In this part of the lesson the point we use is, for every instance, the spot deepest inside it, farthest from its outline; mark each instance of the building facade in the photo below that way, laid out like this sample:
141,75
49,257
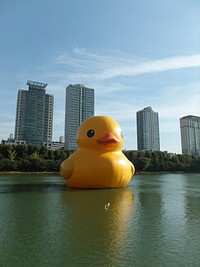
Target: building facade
190,135
34,115
148,137
79,107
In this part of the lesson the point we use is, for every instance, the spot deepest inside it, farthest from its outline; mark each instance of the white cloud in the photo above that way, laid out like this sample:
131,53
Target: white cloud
165,64
100,67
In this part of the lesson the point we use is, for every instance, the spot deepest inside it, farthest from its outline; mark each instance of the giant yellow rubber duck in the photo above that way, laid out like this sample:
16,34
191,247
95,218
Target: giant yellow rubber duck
98,161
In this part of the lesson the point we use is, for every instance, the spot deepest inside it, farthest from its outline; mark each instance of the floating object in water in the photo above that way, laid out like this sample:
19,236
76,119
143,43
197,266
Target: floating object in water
98,161
107,206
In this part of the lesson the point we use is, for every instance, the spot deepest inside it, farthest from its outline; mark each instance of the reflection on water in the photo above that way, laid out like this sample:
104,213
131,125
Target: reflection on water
155,221
105,229
162,209
64,228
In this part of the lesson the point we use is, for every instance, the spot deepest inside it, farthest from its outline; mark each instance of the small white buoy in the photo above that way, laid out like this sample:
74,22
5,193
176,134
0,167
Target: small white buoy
107,206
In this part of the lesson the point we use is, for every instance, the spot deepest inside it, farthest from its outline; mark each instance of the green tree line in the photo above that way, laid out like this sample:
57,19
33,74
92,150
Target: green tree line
30,158
34,158
156,161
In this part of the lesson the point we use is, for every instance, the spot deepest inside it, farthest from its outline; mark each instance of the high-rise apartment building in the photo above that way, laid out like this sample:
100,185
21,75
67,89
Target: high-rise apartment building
148,130
34,116
79,107
190,135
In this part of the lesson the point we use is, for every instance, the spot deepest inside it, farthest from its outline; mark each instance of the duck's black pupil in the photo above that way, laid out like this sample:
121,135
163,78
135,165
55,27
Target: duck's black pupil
90,133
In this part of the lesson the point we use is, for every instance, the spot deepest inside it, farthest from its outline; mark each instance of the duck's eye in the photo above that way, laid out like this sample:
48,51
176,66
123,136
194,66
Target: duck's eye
90,133
121,133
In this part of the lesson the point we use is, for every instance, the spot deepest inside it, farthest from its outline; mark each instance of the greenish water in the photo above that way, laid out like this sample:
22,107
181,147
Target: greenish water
154,221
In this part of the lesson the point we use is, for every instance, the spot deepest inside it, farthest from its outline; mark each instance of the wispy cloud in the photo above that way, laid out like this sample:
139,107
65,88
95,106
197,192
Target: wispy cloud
101,67
177,101
161,65
91,62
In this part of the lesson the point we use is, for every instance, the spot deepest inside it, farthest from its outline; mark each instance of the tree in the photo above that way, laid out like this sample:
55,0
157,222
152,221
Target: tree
155,164
21,151
50,154
5,150
12,155
8,165
43,151
195,165
142,163
35,155
59,155
131,155
32,148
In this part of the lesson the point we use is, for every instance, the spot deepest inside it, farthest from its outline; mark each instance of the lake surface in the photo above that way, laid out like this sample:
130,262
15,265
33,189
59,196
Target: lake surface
154,221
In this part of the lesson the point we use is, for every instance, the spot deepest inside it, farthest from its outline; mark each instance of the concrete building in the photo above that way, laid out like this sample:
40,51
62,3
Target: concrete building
11,141
34,116
190,135
57,146
148,137
79,107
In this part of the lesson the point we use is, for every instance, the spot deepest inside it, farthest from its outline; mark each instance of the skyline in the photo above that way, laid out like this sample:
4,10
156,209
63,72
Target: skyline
133,55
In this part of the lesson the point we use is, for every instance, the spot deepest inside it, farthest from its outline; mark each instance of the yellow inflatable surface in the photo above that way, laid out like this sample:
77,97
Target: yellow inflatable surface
98,161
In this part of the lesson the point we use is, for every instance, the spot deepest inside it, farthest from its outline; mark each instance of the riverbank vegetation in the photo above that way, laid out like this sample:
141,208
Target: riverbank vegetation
157,161
30,158
34,158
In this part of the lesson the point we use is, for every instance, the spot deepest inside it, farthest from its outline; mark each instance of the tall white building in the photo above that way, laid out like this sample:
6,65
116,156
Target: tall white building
79,107
148,130
190,135
34,116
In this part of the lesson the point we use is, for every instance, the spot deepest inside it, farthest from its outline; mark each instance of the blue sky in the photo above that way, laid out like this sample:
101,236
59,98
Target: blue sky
134,53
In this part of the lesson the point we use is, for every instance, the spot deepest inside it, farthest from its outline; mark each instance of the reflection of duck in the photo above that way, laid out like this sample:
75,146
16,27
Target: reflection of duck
98,161
98,234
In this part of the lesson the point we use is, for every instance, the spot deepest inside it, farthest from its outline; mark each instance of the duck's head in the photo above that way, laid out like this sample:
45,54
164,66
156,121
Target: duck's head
100,133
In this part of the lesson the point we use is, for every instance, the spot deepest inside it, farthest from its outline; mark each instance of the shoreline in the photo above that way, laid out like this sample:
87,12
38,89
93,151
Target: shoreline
39,173
58,173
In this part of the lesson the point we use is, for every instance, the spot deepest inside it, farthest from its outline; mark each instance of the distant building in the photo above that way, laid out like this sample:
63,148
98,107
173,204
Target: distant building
148,137
11,141
58,145
79,107
190,135
34,116
61,139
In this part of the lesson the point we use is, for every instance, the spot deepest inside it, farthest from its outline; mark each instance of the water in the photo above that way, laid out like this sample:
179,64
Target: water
154,221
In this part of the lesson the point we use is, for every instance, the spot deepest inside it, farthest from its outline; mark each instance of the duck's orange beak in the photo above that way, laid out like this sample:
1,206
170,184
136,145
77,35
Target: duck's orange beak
108,139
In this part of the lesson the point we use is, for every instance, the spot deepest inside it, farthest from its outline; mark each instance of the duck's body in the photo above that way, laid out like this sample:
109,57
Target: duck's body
99,161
